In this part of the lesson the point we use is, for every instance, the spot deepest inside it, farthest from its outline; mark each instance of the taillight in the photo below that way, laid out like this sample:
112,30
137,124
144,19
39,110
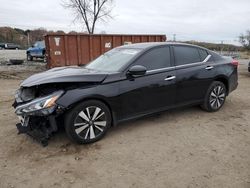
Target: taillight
235,62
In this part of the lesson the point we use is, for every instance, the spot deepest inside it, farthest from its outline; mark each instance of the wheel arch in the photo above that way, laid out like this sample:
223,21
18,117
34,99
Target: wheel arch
224,80
112,112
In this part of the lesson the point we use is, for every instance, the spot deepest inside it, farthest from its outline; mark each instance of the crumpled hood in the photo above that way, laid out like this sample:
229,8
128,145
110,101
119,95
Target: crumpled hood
65,74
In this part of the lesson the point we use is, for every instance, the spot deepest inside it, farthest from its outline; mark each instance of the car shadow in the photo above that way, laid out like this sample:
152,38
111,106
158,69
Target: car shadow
60,138
156,118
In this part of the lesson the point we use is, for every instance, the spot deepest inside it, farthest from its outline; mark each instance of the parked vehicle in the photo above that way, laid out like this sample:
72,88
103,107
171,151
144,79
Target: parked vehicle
125,83
2,45
249,67
9,46
36,51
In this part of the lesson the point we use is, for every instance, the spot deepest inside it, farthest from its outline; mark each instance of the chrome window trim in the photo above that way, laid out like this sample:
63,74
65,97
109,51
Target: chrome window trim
190,64
162,69
207,58
179,66
196,63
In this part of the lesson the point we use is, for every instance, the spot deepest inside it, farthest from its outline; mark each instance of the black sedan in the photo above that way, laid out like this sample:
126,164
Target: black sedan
125,83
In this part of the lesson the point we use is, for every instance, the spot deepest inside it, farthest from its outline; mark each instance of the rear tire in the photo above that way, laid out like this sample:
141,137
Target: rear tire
44,57
88,122
215,97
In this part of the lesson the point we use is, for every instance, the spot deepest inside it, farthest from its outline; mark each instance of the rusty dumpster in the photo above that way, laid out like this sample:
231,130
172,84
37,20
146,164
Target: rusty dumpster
79,49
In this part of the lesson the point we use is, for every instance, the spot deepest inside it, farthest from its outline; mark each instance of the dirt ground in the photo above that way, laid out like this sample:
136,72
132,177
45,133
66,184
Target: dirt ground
179,148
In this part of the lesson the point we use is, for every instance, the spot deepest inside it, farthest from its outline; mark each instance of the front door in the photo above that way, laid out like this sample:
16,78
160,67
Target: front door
152,92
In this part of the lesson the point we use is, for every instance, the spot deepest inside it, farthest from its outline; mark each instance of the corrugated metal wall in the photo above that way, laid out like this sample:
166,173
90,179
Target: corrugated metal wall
66,50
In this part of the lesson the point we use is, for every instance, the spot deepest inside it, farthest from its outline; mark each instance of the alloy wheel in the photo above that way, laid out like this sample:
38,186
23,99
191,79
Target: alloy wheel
217,97
90,123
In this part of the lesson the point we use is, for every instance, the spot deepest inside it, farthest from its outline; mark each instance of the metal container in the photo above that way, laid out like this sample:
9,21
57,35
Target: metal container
79,49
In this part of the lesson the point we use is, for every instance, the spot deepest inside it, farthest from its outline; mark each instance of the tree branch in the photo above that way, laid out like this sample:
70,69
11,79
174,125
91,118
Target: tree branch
90,11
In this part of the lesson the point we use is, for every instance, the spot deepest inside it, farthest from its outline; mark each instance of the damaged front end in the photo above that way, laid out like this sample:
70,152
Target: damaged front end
37,112
36,100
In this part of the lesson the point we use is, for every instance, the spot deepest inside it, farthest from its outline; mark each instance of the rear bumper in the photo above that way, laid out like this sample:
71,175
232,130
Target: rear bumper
234,87
39,56
233,81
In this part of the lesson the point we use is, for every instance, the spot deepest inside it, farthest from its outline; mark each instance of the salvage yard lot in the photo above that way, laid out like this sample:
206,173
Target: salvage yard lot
179,148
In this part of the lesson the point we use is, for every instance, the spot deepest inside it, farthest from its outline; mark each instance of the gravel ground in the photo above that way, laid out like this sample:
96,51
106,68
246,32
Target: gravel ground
18,71
179,148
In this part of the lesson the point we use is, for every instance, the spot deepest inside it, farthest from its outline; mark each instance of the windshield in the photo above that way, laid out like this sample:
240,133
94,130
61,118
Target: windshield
113,60
39,44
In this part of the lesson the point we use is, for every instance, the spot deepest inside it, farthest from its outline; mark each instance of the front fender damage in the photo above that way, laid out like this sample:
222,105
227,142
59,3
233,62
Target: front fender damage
38,125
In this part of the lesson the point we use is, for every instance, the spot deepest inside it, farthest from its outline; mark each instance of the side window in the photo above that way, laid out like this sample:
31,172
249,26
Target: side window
156,58
216,57
186,55
203,54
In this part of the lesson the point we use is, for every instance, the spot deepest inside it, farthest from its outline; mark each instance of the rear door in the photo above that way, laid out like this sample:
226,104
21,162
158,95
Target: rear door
153,91
194,73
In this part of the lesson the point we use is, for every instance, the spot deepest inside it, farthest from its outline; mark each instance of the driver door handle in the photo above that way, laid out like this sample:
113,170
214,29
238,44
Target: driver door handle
209,67
169,78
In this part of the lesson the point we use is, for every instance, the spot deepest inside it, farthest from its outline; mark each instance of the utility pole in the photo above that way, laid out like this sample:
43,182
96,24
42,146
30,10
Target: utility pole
28,36
174,37
221,49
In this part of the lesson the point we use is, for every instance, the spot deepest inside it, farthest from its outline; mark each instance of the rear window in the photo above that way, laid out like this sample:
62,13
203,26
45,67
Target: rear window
216,57
186,55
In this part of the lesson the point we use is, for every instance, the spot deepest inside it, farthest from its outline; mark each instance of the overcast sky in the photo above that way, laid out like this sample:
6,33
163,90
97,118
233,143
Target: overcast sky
201,20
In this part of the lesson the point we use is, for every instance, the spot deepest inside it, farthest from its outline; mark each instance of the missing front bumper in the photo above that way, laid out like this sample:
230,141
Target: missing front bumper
39,128
36,134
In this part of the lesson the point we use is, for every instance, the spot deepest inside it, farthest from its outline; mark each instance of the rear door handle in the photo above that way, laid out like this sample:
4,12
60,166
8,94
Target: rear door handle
169,78
209,67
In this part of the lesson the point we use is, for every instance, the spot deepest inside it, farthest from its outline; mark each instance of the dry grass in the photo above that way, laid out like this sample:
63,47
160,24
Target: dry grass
245,55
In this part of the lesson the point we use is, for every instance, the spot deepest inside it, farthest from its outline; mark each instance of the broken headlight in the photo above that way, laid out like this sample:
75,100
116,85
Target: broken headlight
40,106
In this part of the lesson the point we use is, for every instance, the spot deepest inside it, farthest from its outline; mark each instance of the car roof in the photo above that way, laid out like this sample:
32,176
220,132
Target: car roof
155,44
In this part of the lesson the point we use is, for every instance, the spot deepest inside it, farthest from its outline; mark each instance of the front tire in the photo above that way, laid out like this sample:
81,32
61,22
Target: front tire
29,57
88,122
215,97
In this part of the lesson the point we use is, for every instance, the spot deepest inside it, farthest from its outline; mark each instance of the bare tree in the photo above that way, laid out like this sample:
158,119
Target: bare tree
37,34
245,40
90,11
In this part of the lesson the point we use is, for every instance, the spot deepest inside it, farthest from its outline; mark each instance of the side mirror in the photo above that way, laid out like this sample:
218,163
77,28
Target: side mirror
137,70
